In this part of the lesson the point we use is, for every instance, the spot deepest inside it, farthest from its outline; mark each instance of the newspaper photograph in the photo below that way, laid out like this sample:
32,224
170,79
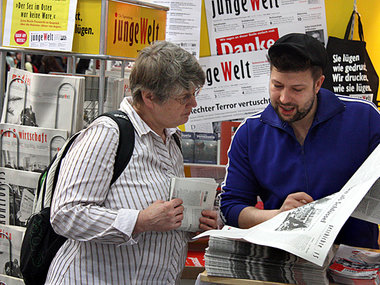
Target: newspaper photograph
29,148
309,231
10,248
17,189
44,100
255,25
237,85
197,194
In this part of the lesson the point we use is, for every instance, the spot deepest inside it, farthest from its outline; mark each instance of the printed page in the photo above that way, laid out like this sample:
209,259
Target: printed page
237,86
17,189
197,194
10,246
255,25
29,148
183,23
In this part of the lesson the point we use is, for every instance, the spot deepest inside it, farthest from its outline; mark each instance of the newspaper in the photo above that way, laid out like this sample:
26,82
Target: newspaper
198,194
351,263
17,189
309,231
255,25
10,248
236,87
44,100
29,148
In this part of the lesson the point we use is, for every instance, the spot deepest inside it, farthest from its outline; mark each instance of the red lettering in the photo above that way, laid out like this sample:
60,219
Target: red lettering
255,5
144,25
226,68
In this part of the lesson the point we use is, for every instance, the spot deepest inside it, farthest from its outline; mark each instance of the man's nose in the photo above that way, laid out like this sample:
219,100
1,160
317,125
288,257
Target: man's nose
284,96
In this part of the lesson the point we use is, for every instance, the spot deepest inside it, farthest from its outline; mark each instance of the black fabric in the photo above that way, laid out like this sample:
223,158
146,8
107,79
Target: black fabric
39,246
349,69
303,45
40,243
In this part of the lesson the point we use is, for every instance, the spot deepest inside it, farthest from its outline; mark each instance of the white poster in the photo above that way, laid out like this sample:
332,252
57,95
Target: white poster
242,25
236,87
183,23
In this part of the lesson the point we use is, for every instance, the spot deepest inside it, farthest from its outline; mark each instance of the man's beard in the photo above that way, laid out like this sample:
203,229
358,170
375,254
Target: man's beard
300,113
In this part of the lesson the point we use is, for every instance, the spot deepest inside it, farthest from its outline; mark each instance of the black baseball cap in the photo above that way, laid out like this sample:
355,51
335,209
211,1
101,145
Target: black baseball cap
303,45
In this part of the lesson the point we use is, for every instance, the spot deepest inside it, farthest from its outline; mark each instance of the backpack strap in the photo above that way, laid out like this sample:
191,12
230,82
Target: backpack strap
177,141
126,141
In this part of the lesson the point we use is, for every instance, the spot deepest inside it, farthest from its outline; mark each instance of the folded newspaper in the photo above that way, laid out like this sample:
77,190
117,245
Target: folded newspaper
309,231
197,194
353,265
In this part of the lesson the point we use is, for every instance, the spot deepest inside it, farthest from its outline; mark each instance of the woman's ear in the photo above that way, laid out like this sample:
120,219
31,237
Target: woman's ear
148,98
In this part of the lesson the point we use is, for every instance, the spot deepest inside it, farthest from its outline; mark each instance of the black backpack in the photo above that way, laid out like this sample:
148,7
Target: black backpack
40,243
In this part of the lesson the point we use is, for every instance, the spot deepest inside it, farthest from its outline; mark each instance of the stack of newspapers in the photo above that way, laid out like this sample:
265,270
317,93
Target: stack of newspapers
244,260
353,265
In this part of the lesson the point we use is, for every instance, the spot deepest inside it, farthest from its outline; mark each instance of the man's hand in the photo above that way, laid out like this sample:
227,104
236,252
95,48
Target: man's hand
209,220
161,216
296,200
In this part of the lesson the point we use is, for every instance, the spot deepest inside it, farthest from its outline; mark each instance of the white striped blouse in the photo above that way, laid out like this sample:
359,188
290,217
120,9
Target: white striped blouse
99,220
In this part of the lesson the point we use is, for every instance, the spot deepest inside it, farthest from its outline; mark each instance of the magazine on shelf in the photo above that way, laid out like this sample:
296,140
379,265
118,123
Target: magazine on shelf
309,231
197,194
205,148
10,248
188,147
17,189
44,100
29,148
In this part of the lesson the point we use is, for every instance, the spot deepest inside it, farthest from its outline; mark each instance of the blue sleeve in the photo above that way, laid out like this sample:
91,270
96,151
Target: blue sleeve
238,188
374,122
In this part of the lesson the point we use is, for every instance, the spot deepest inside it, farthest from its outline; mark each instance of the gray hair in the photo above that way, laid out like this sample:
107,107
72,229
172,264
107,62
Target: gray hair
164,69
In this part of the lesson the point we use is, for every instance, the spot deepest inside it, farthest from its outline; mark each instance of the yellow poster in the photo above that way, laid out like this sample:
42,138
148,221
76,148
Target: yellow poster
40,24
131,28
87,27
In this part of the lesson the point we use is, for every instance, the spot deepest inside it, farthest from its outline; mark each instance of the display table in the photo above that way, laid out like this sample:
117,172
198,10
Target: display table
225,280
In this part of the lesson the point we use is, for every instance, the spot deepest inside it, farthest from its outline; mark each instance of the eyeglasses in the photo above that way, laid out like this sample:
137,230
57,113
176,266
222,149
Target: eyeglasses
183,100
